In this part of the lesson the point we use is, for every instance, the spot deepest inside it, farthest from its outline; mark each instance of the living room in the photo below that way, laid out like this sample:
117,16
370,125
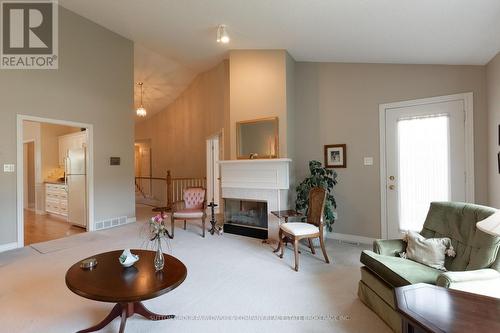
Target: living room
339,122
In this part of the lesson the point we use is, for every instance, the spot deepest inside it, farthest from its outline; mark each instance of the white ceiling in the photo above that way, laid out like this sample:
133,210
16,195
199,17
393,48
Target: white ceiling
163,79
371,31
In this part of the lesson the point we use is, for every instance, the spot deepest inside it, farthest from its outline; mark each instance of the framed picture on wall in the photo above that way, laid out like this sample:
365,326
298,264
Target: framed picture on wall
335,156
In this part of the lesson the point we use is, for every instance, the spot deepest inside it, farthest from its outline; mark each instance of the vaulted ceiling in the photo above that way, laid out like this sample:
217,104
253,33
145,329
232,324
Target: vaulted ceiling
177,37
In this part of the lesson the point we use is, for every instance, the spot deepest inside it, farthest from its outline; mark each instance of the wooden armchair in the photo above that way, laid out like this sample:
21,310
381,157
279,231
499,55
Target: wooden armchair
312,228
193,207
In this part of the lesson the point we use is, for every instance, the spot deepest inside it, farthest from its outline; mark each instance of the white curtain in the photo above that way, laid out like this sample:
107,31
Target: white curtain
424,167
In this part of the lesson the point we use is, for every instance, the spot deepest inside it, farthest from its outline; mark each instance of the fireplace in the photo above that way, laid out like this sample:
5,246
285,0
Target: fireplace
266,181
246,217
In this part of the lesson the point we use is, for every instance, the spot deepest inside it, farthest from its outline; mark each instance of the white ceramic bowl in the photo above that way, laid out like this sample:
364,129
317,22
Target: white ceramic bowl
127,258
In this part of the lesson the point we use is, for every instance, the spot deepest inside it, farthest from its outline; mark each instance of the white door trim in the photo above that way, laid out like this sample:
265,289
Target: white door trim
468,100
20,166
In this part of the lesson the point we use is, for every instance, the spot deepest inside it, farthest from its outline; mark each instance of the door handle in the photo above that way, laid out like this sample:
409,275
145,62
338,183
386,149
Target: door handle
392,187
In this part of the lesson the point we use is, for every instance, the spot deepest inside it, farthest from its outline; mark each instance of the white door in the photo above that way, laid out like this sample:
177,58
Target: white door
213,171
425,155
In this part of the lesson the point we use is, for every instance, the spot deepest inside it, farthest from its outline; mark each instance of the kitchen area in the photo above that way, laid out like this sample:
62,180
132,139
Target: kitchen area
55,181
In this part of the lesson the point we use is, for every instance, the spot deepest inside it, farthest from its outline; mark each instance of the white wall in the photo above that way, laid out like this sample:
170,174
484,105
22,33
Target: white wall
338,103
94,84
493,101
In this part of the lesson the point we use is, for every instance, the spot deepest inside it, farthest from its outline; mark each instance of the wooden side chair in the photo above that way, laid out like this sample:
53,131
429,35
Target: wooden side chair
312,228
193,207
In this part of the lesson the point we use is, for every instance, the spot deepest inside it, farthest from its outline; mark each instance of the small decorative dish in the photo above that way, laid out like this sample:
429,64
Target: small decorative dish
88,264
127,258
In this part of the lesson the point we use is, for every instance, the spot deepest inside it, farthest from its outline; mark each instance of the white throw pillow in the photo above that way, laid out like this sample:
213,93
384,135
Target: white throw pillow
430,252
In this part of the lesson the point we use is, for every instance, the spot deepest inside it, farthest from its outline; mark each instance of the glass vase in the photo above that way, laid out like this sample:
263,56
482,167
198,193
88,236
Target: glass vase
159,261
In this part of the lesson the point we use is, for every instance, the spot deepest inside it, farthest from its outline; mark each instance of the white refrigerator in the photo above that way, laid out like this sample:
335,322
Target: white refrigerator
76,181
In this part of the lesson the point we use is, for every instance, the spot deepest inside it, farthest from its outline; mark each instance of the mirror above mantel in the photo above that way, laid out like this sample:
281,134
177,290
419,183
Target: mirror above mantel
257,138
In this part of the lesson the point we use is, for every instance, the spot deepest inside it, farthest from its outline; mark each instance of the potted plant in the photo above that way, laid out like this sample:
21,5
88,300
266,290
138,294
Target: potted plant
320,177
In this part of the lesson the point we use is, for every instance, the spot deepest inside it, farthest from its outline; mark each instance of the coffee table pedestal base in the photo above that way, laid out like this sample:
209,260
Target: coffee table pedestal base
125,310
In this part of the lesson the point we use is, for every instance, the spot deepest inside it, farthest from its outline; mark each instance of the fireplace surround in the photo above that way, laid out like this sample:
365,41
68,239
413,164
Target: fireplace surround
246,217
265,180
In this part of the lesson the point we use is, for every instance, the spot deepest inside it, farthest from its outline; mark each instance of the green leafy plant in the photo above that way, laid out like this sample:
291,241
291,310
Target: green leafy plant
320,177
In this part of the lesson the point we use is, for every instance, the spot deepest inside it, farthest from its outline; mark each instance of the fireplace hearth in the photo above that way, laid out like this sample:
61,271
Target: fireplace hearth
246,218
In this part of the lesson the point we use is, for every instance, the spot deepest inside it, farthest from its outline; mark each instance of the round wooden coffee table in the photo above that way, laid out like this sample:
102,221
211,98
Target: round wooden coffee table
127,287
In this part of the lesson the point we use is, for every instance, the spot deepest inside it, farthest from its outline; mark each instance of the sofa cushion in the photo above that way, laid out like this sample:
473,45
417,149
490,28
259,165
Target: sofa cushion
397,271
428,251
188,214
457,221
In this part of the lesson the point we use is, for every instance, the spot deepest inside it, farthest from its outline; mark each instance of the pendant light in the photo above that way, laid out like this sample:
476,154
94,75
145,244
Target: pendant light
222,35
141,111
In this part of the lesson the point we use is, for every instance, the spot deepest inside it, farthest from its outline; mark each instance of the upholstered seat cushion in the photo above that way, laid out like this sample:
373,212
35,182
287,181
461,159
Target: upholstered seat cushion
397,271
188,214
299,228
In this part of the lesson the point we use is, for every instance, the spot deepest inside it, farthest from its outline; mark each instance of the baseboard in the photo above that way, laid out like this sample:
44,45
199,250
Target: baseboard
8,247
350,238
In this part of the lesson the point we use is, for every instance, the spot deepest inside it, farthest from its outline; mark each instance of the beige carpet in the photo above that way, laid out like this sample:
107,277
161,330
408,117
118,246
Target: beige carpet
234,284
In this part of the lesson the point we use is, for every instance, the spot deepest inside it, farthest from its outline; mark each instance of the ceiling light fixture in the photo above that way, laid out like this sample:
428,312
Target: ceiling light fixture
222,35
141,111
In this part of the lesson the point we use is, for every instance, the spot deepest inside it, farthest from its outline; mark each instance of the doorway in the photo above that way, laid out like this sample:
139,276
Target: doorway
426,155
146,188
29,175
54,189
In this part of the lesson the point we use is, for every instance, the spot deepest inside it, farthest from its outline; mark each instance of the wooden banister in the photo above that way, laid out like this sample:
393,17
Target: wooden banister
176,187
169,189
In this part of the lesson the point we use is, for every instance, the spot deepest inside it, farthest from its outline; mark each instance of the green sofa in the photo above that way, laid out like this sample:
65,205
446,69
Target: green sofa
476,259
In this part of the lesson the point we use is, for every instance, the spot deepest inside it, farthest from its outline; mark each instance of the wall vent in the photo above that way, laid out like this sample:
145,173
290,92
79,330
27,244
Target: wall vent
113,222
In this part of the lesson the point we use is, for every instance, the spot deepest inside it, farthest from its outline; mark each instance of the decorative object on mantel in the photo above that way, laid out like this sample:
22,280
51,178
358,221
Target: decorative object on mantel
335,156
127,258
158,232
320,177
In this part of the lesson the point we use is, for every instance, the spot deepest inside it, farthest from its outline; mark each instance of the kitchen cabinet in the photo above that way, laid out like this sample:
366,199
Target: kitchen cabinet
56,199
70,141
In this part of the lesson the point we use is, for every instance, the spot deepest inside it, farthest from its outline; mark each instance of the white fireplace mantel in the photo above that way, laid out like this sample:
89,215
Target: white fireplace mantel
271,174
261,180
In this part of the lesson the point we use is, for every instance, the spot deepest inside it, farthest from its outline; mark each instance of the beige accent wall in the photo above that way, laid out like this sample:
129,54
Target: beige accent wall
339,103
258,90
493,94
94,84
178,134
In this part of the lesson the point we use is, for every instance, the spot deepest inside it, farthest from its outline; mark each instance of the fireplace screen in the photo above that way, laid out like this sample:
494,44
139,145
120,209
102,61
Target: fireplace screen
246,213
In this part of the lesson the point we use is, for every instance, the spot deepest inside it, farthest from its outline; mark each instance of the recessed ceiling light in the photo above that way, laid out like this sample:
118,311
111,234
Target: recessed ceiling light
222,35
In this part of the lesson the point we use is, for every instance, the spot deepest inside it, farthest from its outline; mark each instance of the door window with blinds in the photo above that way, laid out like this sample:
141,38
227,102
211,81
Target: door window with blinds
425,161
424,167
